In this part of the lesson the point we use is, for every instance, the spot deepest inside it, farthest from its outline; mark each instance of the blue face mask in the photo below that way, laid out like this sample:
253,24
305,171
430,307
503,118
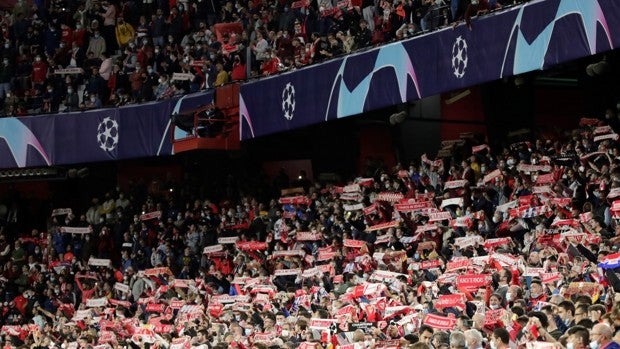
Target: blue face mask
416,256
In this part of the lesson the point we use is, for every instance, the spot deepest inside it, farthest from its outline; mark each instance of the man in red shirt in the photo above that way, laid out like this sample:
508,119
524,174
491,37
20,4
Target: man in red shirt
39,71
78,35
66,35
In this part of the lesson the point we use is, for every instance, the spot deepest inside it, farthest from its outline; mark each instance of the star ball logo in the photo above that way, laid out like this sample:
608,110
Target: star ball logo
459,57
107,134
288,101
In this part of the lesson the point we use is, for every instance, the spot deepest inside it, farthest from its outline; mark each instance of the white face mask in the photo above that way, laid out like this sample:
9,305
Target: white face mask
285,333
570,345
248,331
492,344
593,345
494,306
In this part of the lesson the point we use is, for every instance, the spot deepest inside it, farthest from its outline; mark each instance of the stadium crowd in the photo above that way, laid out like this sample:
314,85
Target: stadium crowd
479,248
65,55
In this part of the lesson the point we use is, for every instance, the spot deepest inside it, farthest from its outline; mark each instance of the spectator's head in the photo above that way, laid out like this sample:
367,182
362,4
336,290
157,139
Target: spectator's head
595,312
496,301
478,320
441,339
473,339
426,334
566,311
536,289
499,339
581,312
458,340
600,335
578,338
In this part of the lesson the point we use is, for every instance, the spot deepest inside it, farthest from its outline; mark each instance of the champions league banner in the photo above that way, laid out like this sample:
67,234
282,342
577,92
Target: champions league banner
534,36
99,135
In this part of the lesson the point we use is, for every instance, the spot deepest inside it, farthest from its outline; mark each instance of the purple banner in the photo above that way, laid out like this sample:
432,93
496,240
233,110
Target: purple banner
534,36
91,136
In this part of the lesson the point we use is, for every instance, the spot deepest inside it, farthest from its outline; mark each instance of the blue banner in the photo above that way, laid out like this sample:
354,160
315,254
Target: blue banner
534,36
99,135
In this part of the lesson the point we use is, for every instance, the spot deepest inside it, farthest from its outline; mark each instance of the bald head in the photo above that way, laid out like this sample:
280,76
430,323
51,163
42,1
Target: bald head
601,333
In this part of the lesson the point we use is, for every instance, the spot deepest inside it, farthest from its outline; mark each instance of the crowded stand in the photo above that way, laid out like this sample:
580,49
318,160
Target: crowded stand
503,247
72,55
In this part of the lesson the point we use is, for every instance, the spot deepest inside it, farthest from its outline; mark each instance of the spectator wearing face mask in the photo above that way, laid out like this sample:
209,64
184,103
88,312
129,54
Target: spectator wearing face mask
129,61
269,66
11,101
52,99
97,44
148,84
93,102
162,87
71,101
124,32
144,53
537,294
601,337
